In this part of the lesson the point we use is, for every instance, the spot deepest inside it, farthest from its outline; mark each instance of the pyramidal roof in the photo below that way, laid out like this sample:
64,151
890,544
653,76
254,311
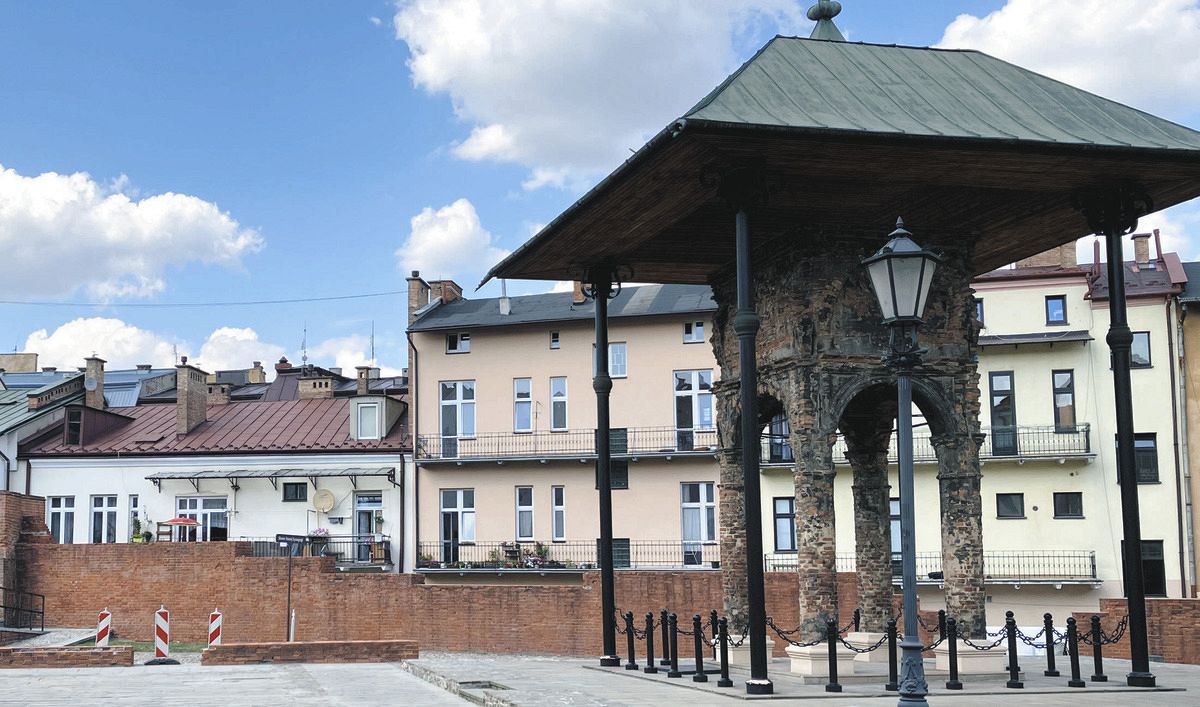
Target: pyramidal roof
819,85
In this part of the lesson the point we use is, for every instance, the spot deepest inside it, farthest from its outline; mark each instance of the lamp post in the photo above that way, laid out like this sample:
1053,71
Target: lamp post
901,273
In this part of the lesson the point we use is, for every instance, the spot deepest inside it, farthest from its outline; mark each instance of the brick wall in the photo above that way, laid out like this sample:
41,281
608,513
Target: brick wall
310,652
1173,625
14,509
66,657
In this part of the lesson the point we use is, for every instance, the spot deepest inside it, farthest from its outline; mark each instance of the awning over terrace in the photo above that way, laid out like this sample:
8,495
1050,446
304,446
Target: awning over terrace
1037,337
273,475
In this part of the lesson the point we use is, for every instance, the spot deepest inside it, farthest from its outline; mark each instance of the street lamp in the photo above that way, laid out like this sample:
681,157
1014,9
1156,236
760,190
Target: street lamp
901,273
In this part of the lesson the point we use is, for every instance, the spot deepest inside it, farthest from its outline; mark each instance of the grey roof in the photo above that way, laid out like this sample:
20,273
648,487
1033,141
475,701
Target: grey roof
271,473
35,379
14,407
1191,290
887,89
122,388
643,301
1038,337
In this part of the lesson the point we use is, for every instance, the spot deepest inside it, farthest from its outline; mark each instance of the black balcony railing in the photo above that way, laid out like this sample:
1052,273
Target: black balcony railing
19,609
573,555
568,444
346,550
999,566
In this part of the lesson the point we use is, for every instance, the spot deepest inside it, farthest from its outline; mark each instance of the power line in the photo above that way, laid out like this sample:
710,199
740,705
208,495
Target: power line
164,305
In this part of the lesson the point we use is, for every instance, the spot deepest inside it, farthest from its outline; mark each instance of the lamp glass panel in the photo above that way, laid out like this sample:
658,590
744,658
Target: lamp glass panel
906,273
882,285
926,282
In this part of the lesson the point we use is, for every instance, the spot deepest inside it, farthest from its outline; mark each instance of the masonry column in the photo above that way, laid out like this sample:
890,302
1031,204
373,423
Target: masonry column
962,530
731,508
872,536
816,545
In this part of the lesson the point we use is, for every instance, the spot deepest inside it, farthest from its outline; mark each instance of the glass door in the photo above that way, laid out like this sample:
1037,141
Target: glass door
211,513
1004,414
698,514
368,519
458,414
458,521
693,407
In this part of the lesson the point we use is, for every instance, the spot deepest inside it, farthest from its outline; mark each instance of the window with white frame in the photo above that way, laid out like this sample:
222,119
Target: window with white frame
458,343
558,513
618,360
458,516
693,332
554,340
693,406
698,516
558,404
457,414
104,519
61,518
368,421
522,405
211,514
524,513
134,509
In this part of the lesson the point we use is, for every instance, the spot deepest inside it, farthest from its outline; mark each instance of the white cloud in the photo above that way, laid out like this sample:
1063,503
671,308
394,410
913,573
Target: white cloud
122,345
449,243
567,87
230,348
60,232
1141,52
347,352
377,21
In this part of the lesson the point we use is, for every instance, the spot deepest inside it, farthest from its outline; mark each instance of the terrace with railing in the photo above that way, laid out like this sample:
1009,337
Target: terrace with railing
347,551
999,567
573,556
630,443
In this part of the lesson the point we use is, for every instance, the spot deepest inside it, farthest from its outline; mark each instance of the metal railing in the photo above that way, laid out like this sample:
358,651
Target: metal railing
21,609
370,549
569,444
1003,566
572,555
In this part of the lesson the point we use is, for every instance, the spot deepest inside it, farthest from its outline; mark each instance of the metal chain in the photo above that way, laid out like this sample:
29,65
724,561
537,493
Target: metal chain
933,645
856,649
935,629
1106,639
784,635
1003,636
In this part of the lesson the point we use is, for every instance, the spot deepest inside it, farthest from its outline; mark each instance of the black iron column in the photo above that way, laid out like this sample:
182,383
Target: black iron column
600,290
1113,212
913,686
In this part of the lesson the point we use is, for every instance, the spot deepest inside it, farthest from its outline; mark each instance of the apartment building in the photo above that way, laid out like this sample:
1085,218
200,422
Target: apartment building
504,413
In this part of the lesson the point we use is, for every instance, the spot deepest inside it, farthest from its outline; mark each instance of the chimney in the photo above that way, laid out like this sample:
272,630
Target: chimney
283,365
1060,257
49,369
505,302
93,383
256,374
143,366
1141,248
191,397
578,297
446,290
418,295
1158,244
315,385
364,380
218,394
335,370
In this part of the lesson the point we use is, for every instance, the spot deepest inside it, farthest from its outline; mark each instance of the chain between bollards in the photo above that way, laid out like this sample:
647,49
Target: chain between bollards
1014,670
650,644
1098,650
723,627
893,683
952,635
1073,647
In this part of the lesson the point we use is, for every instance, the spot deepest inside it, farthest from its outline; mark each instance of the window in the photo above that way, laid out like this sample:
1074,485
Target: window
558,513
618,362
979,310
211,512
1068,504
524,513
693,332
1139,354
74,425
104,519
458,343
522,405
458,414
698,512
1056,309
368,421
554,342
1004,413
779,450
1145,457
785,524
297,491
693,406
1010,505
61,519
1064,400
1154,568
133,512
558,404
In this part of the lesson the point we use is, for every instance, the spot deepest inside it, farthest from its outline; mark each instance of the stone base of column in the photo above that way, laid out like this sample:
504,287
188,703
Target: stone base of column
864,640
814,660
971,661
740,655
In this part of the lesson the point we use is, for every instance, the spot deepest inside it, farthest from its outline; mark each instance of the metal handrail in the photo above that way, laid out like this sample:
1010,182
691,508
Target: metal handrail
1003,565
568,444
570,555
360,549
21,609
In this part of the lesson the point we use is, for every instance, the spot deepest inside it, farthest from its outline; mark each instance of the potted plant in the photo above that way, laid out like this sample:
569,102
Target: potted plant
135,531
147,536
378,528
319,541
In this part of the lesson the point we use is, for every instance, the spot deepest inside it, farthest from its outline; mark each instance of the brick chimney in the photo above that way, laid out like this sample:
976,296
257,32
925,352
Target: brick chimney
364,380
93,383
446,290
315,384
256,374
283,365
418,294
218,393
1141,248
578,297
1063,256
191,397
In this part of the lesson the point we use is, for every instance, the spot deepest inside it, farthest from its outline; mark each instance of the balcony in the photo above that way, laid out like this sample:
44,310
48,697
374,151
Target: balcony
1000,567
627,443
573,556
348,551
1018,444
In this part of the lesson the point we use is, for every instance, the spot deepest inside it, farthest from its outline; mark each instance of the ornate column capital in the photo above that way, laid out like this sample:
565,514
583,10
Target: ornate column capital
1114,208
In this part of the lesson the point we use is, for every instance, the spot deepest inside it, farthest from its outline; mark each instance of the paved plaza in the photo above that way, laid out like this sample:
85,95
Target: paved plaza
529,681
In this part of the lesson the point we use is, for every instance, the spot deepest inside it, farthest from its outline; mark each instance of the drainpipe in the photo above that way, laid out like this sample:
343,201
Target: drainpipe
1184,577
7,468
413,428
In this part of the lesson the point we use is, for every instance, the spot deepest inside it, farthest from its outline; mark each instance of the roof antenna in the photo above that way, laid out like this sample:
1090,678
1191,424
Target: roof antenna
372,341
175,353
823,13
304,346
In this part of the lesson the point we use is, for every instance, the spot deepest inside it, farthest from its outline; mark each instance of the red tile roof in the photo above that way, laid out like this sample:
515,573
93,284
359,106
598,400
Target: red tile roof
280,426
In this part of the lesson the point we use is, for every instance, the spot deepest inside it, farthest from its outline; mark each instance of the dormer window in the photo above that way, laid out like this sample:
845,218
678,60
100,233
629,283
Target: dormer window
74,425
458,343
368,421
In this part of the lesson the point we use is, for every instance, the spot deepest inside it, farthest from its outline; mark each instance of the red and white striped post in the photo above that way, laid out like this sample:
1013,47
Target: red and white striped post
103,628
162,633
214,628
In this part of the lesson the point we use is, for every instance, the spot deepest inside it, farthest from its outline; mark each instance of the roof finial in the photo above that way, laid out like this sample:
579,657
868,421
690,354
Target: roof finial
823,13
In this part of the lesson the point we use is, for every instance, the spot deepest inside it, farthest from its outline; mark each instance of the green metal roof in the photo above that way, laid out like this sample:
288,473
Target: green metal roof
14,407
889,89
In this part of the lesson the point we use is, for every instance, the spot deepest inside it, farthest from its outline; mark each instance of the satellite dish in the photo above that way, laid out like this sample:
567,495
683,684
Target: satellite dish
89,383
324,501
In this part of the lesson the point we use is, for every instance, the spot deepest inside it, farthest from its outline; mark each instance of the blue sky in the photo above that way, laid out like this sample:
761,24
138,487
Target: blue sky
299,144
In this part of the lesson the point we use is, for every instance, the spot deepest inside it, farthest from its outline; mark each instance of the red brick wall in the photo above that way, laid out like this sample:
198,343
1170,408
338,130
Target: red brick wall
68,657
310,652
1173,625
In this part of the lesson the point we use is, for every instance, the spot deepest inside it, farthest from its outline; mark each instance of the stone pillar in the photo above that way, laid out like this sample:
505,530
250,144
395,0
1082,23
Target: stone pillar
816,544
962,530
730,507
872,536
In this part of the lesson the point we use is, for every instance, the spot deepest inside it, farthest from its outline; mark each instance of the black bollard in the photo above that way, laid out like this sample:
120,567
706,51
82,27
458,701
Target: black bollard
666,641
674,631
632,663
649,644
1051,671
857,620
831,636
1014,670
1073,648
952,636
698,640
723,628
1097,651
712,624
941,624
893,683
